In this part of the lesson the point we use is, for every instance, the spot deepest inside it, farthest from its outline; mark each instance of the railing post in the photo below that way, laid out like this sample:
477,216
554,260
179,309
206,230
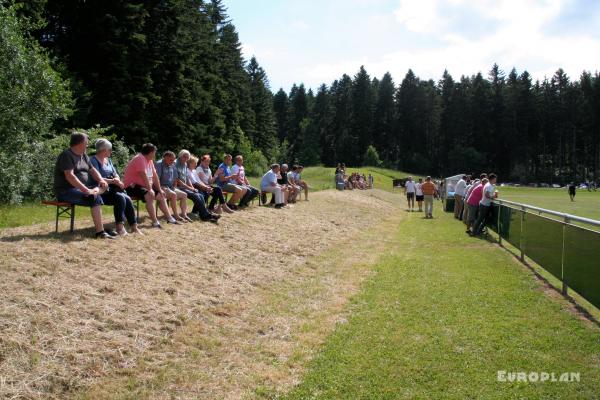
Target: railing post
498,225
562,264
521,235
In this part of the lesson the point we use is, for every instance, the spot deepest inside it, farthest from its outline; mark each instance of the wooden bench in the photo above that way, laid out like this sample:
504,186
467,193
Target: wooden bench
67,210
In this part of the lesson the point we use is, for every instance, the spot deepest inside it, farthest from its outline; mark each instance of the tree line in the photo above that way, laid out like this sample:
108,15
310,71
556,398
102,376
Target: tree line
526,131
171,72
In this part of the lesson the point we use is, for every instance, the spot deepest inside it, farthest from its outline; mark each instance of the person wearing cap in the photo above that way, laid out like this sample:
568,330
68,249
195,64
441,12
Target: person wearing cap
115,196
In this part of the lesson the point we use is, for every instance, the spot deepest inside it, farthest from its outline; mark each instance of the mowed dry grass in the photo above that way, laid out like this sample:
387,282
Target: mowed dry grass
193,311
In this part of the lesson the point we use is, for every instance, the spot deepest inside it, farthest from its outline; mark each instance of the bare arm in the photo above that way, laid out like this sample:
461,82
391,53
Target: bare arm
75,182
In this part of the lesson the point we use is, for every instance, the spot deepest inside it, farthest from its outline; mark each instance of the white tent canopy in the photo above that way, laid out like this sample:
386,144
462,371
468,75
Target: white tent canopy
450,183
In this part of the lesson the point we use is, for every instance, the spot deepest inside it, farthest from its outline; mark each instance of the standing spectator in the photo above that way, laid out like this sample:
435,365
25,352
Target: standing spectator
72,175
184,183
226,181
429,192
269,184
409,190
419,194
371,181
489,193
123,208
572,189
459,196
141,181
442,190
208,189
241,180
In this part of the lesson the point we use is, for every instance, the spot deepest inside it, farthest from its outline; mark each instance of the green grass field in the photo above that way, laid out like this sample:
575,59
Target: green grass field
441,316
586,204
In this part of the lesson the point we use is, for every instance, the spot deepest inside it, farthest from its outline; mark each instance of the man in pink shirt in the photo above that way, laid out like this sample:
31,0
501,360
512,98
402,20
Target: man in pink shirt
473,202
141,181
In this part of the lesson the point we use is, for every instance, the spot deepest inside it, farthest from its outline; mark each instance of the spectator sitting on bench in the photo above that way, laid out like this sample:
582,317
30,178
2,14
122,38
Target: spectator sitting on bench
204,183
141,181
288,190
241,180
167,175
226,181
71,174
184,184
269,184
293,181
115,195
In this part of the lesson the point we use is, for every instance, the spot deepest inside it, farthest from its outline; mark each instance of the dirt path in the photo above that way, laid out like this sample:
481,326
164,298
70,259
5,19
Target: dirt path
84,315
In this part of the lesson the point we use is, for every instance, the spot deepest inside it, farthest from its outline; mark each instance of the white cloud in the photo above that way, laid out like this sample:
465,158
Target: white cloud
300,25
418,15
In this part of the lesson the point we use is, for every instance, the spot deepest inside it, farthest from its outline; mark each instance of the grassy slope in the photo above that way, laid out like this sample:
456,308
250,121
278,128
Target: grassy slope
442,315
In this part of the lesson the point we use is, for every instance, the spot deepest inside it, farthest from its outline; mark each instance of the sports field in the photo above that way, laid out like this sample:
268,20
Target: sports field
346,296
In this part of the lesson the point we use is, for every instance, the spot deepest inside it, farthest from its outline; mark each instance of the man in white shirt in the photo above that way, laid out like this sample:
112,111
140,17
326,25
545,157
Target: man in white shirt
485,205
269,184
241,180
409,190
459,196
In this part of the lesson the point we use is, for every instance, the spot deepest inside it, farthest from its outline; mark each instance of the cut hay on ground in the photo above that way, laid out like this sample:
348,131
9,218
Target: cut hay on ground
77,312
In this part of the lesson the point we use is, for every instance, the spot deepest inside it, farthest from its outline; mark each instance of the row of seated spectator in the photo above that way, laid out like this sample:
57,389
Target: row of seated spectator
354,181
168,182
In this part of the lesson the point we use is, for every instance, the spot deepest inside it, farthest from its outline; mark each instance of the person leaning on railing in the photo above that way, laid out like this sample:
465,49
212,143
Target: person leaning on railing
489,193
115,196
71,179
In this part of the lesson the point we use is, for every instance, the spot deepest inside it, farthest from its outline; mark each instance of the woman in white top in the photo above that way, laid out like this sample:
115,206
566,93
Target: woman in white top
202,179
419,194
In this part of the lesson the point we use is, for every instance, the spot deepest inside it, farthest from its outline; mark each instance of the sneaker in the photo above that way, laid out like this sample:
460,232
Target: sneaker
157,225
123,232
215,216
173,221
232,206
104,235
112,233
279,205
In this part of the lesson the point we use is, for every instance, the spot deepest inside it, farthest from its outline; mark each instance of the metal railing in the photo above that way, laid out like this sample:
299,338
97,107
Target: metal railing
565,245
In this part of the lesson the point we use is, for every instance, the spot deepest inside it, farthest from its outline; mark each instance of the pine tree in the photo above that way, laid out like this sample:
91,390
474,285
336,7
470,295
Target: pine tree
383,118
363,106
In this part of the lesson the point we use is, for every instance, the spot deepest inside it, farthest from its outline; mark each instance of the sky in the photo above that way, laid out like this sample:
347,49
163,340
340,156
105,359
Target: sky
316,41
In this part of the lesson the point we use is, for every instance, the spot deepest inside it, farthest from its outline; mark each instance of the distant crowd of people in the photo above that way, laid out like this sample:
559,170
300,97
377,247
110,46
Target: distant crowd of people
422,192
473,201
352,181
168,182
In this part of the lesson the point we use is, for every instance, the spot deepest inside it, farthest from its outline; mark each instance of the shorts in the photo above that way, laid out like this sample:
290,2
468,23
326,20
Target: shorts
76,196
410,195
174,193
420,198
230,187
137,191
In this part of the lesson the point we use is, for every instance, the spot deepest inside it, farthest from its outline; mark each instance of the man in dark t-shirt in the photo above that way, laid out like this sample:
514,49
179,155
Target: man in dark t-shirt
72,181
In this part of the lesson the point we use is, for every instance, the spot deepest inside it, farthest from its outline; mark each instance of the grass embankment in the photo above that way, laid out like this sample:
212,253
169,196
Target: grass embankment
443,314
319,178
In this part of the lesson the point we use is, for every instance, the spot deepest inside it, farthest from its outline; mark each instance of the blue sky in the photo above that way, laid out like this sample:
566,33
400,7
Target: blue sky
314,42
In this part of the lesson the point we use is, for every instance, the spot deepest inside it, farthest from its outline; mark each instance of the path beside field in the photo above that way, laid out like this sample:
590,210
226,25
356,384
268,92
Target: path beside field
200,310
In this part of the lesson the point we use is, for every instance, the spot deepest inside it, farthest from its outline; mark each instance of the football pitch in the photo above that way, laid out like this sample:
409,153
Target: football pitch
586,204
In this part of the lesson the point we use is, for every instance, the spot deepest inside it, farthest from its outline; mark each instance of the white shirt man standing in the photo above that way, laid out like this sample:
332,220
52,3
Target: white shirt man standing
459,196
409,190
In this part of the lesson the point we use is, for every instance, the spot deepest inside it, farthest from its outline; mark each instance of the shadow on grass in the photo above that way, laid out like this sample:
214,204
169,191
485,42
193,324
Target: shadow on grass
64,236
